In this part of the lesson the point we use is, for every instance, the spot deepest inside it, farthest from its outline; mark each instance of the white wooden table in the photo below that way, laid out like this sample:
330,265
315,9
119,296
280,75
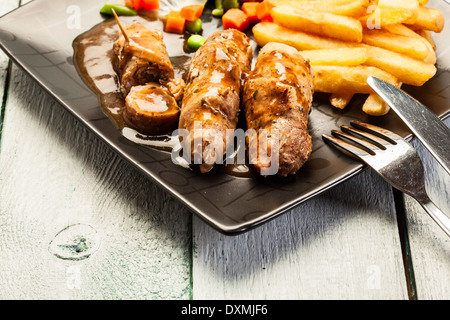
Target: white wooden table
359,240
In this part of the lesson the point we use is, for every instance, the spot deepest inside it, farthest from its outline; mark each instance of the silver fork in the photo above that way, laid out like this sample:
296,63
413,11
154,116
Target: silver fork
391,157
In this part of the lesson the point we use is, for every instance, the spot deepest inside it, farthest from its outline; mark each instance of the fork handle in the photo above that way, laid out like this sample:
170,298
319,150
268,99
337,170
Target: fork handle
436,214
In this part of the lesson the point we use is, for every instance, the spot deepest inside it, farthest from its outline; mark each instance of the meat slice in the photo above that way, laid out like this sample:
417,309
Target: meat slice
176,88
151,109
277,99
210,106
147,80
142,59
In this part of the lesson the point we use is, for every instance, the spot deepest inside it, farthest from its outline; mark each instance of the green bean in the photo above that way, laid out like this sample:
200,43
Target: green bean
218,11
230,4
121,10
194,26
195,41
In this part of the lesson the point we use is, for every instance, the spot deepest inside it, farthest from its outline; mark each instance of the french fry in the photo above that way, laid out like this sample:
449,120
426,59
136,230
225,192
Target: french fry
375,105
394,43
431,58
428,19
344,79
404,5
402,8
320,23
350,8
340,100
336,57
411,46
265,32
408,70
390,11
382,17
426,34
401,29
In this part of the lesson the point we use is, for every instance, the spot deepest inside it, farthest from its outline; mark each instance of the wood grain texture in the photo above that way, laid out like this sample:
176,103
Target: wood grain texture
54,173
343,244
430,247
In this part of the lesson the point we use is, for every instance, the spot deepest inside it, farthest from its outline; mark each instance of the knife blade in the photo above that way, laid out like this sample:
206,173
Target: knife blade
424,124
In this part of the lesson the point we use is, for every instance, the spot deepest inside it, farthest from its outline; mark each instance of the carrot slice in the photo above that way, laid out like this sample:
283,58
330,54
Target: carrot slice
150,5
175,23
263,11
192,12
249,9
147,5
235,18
134,4
129,3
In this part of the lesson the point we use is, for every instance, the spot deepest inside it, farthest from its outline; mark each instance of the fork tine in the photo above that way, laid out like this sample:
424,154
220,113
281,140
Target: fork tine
381,132
349,148
379,142
367,146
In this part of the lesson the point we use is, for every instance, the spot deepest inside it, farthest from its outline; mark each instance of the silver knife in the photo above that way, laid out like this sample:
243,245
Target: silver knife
424,124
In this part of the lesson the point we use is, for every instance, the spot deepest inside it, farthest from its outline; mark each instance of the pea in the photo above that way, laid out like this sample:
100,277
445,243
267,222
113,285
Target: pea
217,12
195,41
194,26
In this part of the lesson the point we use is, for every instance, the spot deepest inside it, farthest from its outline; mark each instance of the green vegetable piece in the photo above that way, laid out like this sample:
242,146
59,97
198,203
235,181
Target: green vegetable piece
195,42
230,4
121,10
194,26
217,12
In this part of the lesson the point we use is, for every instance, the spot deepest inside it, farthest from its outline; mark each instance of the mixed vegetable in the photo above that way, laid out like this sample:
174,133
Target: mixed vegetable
240,14
121,10
146,5
194,26
175,22
188,19
195,42
192,12
235,18
131,7
237,14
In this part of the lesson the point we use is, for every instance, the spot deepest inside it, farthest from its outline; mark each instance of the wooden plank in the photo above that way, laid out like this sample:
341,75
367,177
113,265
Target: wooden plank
76,221
343,244
430,247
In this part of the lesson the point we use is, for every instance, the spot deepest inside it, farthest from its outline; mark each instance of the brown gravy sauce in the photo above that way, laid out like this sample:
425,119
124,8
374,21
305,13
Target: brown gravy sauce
93,56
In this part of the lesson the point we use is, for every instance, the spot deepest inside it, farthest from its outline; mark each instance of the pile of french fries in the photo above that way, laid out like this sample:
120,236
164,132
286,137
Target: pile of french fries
349,40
